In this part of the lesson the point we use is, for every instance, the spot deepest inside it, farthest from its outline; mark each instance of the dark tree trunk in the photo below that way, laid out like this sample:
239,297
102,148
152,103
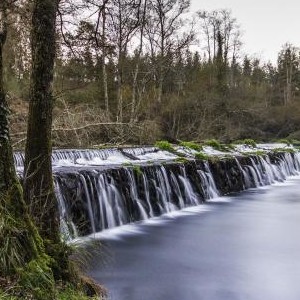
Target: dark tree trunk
38,181
11,194
7,170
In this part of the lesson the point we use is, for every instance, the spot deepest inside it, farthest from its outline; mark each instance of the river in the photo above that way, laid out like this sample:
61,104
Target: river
242,247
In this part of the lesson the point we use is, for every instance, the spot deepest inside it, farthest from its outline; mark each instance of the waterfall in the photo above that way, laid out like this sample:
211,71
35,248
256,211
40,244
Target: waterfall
106,188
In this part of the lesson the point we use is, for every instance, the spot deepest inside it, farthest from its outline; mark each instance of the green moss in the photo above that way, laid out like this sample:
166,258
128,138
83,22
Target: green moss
288,150
37,278
62,293
295,143
192,145
255,153
284,141
214,158
137,170
181,160
70,293
249,142
213,143
217,145
164,145
201,156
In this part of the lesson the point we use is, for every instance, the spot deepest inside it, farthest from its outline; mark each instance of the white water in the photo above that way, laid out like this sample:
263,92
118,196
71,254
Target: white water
116,196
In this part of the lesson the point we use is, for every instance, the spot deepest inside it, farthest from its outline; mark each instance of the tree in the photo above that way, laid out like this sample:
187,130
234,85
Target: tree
164,21
38,182
288,71
22,250
138,55
125,19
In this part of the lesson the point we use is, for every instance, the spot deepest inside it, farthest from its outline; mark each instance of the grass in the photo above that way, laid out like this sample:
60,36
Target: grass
63,293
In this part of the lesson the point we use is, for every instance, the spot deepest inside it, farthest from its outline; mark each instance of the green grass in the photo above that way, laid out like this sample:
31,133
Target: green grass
66,293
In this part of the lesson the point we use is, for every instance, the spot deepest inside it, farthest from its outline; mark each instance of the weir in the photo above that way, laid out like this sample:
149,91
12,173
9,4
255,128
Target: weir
101,189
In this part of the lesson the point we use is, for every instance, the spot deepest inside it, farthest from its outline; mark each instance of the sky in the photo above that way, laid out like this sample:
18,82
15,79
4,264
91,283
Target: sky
266,24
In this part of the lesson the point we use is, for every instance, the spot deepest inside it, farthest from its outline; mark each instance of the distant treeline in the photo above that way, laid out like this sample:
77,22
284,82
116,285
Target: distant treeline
152,67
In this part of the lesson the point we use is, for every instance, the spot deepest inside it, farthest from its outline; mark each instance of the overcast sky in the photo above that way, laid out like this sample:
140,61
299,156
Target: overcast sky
266,24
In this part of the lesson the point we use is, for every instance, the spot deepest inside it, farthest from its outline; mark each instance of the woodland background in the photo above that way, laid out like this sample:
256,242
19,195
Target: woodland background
136,71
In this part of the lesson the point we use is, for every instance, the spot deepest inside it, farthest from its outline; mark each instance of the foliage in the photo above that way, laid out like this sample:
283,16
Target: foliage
213,143
192,145
164,145
137,170
12,251
70,293
181,160
36,278
201,156
217,145
284,141
249,142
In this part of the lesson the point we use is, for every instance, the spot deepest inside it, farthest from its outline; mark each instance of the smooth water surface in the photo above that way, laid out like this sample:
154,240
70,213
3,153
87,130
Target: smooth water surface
245,248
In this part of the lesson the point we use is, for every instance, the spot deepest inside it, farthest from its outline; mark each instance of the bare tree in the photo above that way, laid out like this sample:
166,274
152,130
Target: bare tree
288,69
163,31
137,65
221,32
124,21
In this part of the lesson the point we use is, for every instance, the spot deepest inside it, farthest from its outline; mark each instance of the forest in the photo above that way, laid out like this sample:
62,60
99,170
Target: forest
133,72
91,73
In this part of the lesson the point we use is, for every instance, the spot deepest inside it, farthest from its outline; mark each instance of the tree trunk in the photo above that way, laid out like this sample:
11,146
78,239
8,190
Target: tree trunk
120,92
12,203
104,72
38,181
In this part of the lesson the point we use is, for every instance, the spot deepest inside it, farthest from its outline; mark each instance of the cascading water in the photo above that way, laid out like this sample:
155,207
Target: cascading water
101,189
